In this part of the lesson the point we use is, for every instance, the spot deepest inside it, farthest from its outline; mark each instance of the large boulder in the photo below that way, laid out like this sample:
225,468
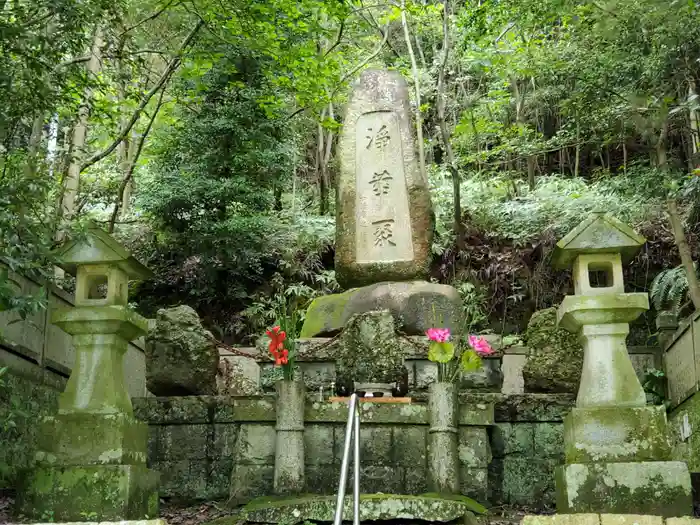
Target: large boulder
414,305
556,357
181,357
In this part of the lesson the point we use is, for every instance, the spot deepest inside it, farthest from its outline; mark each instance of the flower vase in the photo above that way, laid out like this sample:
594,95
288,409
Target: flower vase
443,454
289,439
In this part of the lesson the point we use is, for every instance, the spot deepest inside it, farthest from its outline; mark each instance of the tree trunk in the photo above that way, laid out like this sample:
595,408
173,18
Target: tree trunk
416,83
684,251
72,179
34,145
661,153
441,103
577,161
694,125
322,190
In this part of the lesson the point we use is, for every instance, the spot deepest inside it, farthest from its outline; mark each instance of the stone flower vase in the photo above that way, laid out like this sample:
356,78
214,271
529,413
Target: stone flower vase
443,454
289,440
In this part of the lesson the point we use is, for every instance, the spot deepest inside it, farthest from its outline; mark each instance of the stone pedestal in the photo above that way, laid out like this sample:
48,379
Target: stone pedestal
289,440
91,458
443,454
616,448
660,488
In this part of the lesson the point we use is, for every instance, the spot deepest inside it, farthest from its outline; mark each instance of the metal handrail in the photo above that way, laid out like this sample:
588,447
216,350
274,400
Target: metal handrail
351,429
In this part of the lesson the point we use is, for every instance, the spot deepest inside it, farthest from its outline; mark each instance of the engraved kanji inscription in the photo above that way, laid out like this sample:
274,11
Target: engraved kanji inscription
381,182
380,139
384,232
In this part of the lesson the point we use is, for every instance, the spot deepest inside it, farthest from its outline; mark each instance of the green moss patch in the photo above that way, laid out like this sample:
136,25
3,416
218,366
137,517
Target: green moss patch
373,507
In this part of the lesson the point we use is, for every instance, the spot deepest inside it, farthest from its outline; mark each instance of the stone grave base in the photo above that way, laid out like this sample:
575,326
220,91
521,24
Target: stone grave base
660,488
596,435
606,519
85,439
82,493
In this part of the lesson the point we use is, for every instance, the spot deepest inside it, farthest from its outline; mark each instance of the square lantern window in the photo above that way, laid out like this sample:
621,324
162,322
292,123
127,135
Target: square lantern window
101,285
598,273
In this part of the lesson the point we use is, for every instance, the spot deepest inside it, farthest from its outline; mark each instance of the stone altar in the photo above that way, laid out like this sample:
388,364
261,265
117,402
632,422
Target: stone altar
91,459
617,453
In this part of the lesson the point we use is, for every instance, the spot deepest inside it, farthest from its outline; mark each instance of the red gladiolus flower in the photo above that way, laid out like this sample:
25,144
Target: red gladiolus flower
281,358
277,338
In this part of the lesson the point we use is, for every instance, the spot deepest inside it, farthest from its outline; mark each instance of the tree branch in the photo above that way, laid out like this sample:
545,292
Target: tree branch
150,17
132,163
172,66
351,72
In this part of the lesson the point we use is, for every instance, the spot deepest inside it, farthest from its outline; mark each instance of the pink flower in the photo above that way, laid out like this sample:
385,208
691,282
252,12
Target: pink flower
439,335
480,345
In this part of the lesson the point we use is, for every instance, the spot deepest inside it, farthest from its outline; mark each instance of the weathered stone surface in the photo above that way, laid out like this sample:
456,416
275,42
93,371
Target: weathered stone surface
415,306
35,399
630,519
562,519
384,221
289,438
526,407
369,351
659,488
112,492
237,376
473,483
250,481
181,359
526,480
86,439
556,357
443,453
616,434
123,522
684,420
373,507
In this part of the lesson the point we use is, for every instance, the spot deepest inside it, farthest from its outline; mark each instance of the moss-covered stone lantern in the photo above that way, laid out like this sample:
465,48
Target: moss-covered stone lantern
616,447
91,459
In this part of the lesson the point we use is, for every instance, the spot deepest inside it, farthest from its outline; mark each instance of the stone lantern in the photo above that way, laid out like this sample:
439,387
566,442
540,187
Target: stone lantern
91,459
616,447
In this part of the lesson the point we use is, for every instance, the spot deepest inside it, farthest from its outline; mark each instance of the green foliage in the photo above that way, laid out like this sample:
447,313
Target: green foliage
12,418
654,384
25,234
669,289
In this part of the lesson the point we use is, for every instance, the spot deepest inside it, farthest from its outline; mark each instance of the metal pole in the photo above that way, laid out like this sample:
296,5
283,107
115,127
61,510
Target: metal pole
356,471
344,465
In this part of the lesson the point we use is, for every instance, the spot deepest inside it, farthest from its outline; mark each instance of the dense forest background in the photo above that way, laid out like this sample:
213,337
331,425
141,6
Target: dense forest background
203,134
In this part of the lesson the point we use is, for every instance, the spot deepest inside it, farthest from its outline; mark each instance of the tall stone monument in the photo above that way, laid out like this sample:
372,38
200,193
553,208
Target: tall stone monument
91,459
384,222
617,453
384,219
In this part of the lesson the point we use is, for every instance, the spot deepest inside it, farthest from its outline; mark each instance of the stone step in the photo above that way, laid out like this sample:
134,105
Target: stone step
373,507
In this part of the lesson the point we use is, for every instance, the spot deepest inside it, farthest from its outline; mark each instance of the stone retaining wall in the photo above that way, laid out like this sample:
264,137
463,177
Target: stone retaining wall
196,443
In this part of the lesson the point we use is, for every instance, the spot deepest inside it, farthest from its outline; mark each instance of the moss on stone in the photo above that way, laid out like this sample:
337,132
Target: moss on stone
373,507
616,434
661,488
23,401
556,357
104,492
326,314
